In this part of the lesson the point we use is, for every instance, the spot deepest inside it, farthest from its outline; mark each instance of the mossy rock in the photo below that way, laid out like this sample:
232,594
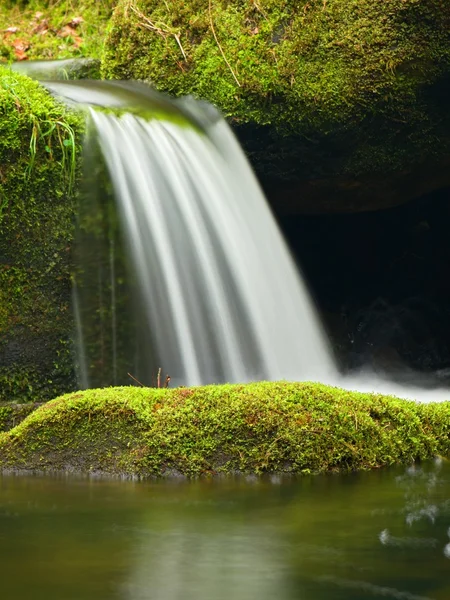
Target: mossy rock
255,428
38,168
13,414
331,92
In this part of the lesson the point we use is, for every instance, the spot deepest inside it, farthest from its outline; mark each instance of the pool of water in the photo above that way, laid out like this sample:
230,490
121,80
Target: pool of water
382,534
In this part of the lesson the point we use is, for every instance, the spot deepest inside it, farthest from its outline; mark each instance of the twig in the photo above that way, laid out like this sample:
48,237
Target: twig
158,378
136,380
259,9
160,28
220,47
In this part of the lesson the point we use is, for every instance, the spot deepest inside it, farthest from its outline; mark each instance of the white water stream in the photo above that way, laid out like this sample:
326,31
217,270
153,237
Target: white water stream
222,298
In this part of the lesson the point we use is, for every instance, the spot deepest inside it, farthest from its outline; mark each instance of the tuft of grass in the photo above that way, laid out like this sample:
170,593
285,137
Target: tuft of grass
283,427
47,132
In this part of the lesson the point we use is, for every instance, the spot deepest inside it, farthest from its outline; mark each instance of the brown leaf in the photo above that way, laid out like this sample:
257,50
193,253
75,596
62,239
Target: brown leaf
20,45
20,54
67,31
76,21
41,27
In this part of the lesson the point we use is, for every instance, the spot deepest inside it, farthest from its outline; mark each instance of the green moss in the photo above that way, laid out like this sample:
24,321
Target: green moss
13,414
257,428
356,84
38,163
53,29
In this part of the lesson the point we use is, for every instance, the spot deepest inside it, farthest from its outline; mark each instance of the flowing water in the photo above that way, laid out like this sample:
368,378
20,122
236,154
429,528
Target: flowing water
218,297
382,534
181,264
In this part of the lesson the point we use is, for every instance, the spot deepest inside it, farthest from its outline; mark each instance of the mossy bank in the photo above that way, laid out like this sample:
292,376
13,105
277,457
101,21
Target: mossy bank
52,29
317,90
38,167
254,428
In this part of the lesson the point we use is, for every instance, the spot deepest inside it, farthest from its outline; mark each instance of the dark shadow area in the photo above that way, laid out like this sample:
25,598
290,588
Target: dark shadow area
382,282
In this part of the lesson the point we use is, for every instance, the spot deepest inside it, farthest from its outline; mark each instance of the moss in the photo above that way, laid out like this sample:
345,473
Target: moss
347,86
257,428
53,29
38,162
13,414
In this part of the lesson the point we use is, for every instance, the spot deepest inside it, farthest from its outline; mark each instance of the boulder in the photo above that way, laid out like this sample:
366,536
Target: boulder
341,105
38,162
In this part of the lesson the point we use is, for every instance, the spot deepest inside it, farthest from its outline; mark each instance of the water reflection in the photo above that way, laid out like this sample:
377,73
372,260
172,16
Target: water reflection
382,534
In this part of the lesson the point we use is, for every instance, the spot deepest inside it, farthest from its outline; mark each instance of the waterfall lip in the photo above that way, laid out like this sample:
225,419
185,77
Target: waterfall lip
51,69
128,95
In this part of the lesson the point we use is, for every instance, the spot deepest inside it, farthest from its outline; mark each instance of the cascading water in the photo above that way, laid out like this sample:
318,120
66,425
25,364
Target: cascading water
180,262
220,298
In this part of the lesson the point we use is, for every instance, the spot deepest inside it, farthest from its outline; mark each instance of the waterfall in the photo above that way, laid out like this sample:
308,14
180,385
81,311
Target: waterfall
215,294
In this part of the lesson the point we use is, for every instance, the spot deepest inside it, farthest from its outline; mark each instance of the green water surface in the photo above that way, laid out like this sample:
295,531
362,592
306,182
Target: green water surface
381,534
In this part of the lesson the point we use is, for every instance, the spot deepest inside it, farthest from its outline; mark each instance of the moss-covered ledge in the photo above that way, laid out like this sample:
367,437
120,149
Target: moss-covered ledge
334,96
12,414
39,140
254,428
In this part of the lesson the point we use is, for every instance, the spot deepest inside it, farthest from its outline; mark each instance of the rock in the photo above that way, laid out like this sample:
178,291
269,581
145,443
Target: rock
69,68
341,106
36,220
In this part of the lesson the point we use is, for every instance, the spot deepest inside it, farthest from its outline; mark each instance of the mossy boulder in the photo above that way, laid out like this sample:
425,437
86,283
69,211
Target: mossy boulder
343,95
255,428
38,167
12,414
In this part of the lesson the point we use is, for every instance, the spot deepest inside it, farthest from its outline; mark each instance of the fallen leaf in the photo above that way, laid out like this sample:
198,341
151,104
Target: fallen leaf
41,27
66,31
20,47
75,21
38,15
20,53
11,30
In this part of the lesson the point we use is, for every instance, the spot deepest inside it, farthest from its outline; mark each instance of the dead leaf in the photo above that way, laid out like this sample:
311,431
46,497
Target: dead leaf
67,31
20,44
20,54
76,21
41,27
38,15
11,30
20,48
